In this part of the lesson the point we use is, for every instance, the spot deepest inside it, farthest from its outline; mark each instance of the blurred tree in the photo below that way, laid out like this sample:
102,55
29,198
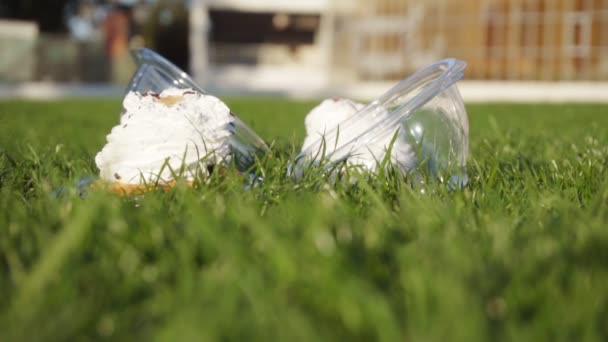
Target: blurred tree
167,29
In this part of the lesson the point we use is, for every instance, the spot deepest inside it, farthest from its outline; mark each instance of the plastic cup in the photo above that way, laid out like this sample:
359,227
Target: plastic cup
155,73
423,112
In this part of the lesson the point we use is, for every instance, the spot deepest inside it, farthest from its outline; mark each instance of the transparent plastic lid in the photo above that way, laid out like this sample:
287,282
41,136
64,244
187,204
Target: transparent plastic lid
155,73
421,120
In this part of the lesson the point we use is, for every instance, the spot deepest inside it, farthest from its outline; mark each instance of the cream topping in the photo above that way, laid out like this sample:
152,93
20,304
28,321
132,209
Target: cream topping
333,113
175,132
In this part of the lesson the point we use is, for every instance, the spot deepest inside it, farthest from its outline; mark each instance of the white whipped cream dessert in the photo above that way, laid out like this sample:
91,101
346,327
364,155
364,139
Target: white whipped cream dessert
331,114
324,118
179,129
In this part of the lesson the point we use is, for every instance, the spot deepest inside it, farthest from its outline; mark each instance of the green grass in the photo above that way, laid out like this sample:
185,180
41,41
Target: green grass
520,255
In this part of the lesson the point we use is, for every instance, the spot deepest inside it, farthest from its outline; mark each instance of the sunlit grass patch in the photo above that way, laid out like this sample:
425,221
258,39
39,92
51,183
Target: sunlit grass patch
518,254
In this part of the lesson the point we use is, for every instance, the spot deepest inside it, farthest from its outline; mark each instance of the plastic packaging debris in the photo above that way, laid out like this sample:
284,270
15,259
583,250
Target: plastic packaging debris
161,96
155,74
421,121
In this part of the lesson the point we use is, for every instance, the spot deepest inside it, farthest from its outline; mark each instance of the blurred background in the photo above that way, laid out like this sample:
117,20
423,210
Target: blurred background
302,46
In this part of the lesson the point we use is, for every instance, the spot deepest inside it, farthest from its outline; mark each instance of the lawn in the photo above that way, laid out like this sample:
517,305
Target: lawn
521,254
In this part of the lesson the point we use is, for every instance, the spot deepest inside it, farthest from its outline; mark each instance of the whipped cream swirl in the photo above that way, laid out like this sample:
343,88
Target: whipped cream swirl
334,113
177,132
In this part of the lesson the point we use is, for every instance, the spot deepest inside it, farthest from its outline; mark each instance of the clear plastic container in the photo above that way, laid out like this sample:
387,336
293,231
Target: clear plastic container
424,112
155,73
